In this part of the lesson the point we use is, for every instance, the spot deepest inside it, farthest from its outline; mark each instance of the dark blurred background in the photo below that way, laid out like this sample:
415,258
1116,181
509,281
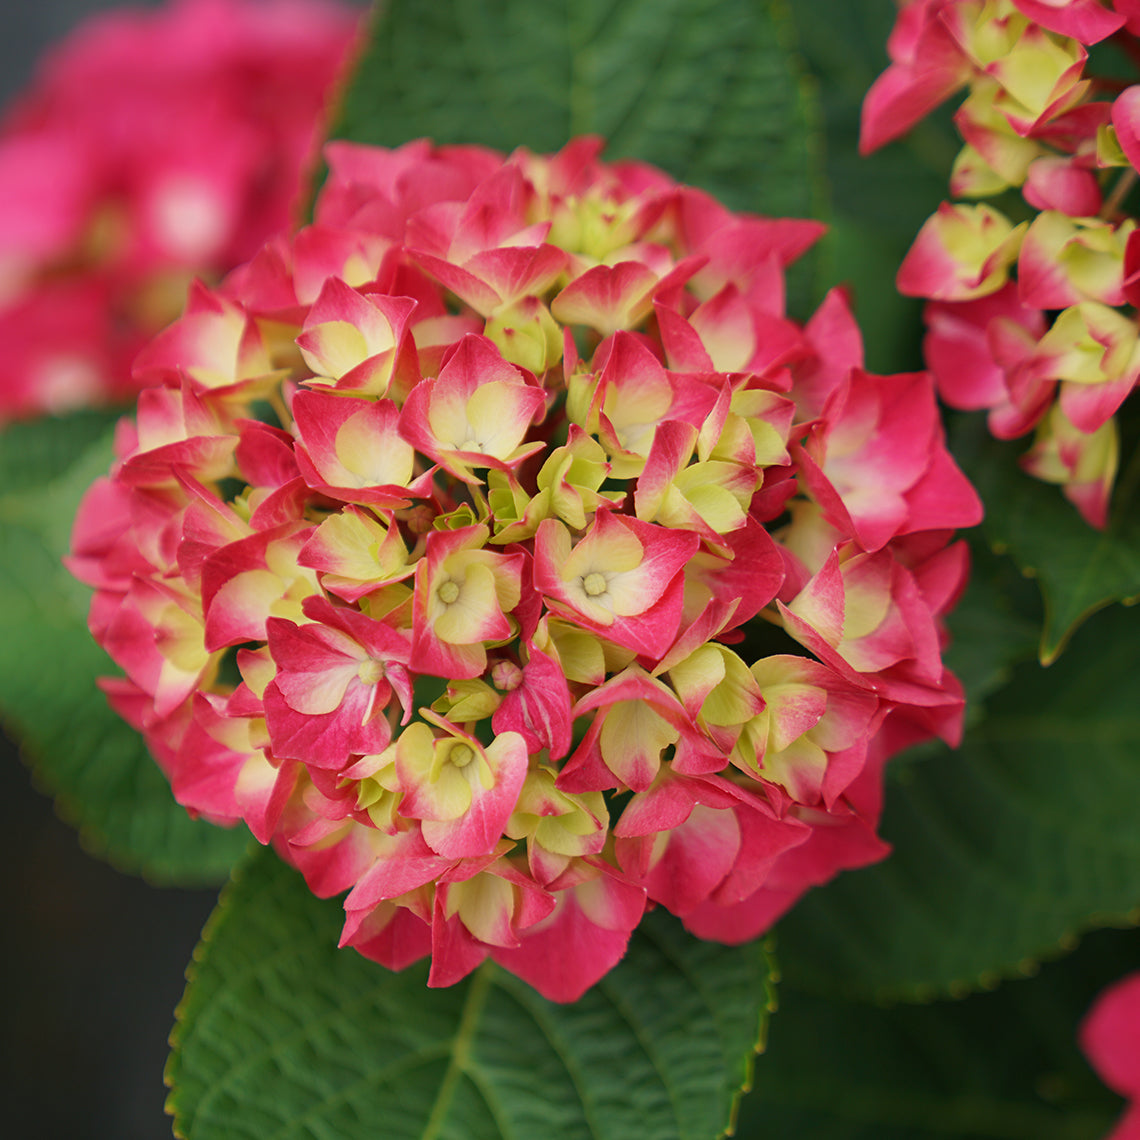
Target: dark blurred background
91,967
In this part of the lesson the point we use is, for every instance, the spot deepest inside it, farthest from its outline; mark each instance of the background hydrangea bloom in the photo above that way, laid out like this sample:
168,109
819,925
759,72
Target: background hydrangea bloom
1034,322
468,545
152,147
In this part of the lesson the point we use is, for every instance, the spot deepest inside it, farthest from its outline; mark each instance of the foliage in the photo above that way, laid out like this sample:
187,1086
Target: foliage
1004,850
80,751
282,1034
993,1066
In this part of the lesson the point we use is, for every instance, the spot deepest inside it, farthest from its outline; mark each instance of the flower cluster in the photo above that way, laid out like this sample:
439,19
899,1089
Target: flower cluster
153,147
1033,321
1110,1037
471,548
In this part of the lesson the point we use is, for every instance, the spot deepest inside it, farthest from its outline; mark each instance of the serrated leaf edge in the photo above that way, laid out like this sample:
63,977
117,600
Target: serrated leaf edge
216,919
769,1007
987,980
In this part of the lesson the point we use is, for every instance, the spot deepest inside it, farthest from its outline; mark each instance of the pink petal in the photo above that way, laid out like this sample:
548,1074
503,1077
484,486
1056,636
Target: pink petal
1126,120
1110,1036
584,938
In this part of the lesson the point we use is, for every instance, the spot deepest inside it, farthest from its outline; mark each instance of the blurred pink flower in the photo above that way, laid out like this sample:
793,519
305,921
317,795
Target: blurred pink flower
153,147
1110,1037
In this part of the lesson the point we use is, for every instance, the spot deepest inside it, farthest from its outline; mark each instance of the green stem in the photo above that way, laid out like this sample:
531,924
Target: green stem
1119,192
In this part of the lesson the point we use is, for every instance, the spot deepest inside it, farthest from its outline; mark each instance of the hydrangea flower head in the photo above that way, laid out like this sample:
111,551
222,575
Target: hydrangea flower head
154,146
501,551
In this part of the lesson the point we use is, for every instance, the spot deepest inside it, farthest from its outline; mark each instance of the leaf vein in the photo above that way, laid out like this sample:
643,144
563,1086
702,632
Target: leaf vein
531,1003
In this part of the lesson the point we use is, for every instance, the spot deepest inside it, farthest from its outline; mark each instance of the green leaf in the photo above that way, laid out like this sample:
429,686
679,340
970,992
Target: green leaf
101,774
1079,570
1002,851
875,204
706,89
41,451
995,1066
280,1034
894,190
994,626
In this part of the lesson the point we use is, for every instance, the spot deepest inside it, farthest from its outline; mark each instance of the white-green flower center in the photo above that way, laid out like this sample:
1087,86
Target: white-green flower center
594,584
448,592
461,755
370,671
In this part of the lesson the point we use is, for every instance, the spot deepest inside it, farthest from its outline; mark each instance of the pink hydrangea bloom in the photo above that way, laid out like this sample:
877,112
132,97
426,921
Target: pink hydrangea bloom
447,551
153,146
1033,322
1110,1037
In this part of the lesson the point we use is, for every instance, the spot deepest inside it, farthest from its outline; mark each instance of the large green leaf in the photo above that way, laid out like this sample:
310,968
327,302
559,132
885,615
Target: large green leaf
280,1034
895,189
1002,851
995,1066
875,204
995,625
1079,569
96,766
707,89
